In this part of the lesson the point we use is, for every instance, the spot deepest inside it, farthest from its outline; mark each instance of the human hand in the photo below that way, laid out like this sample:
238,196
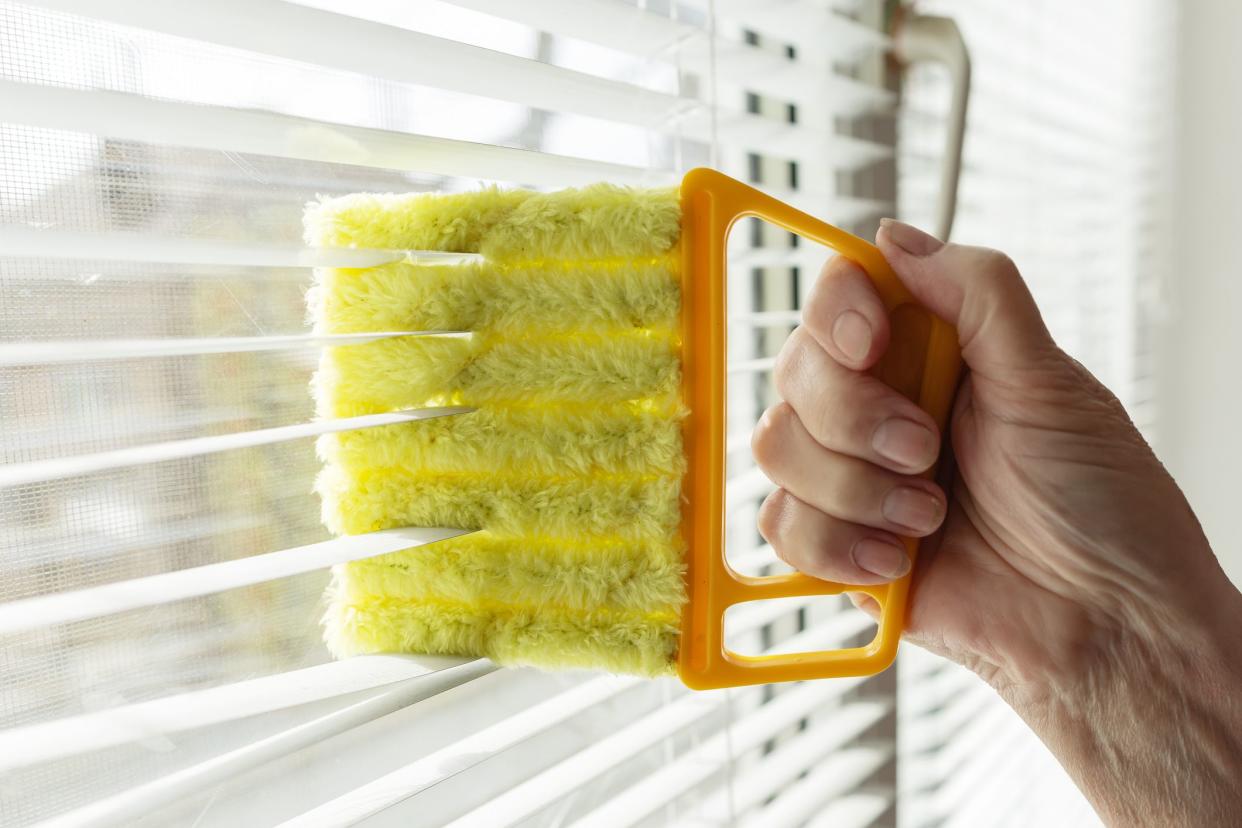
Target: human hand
1069,559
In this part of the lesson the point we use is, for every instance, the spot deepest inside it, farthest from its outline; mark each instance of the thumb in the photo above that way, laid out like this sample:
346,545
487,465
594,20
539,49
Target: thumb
977,290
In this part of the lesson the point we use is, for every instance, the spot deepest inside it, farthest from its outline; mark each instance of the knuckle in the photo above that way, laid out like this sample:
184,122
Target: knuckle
837,266
772,519
767,440
999,263
825,299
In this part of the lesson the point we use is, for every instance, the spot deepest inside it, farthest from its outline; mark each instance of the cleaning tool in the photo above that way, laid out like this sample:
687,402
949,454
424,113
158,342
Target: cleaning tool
584,338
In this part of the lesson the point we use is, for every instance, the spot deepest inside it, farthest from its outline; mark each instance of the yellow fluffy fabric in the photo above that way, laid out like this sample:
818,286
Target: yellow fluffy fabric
408,372
547,297
542,439
571,465
601,222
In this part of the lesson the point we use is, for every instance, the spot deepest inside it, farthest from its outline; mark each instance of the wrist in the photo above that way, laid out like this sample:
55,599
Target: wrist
1195,645
1190,626
1150,727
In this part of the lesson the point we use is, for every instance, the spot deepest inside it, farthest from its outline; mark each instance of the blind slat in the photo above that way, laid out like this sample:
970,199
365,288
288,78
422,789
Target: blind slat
837,208
854,811
153,590
351,44
137,803
768,319
48,741
825,634
782,766
746,487
753,366
806,24
746,734
19,241
128,116
129,723
840,773
418,776
631,30
528,798
435,767
748,561
72,350
38,471
550,783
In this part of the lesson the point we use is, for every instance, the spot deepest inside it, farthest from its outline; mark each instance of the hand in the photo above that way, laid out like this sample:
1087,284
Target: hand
1066,549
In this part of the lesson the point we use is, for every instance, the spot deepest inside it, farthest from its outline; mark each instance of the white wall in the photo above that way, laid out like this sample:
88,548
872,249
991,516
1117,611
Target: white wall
1200,369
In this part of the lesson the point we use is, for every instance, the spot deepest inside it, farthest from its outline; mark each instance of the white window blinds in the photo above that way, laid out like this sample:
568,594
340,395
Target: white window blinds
1065,169
163,562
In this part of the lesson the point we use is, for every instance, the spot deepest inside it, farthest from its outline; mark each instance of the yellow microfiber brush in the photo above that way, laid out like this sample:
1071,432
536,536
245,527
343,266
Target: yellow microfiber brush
585,339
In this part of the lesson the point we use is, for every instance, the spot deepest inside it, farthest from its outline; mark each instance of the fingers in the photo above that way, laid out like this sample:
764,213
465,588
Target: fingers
829,548
842,486
845,315
977,290
842,446
853,413
866,603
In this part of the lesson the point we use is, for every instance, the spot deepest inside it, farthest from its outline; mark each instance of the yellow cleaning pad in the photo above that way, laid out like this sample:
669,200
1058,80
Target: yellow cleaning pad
571,465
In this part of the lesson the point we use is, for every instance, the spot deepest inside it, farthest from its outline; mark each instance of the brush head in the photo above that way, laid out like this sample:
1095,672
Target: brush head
570,467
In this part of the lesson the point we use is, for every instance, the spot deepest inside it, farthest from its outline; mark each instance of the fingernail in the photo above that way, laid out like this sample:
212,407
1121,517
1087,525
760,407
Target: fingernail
881,558
905,442
852,334
912,508
910,238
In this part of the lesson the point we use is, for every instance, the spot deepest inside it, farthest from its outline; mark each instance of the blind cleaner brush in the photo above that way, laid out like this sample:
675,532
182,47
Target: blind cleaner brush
581,354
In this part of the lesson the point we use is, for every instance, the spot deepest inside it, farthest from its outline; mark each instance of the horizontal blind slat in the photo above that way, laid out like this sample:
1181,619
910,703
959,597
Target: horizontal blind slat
824,635
470,750
777,256
536,793
352,44
326,38
804,23
73,350
746,487
767,319
166,587
111,727
40,352
38,471
692,768
137,803
21,241
133,117
652,35
550,783
834,207
782,766
750,560
853,811
839,774
752,366
62,738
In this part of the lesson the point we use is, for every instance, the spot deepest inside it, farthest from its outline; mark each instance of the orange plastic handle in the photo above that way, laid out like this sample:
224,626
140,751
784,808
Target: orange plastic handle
923,362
